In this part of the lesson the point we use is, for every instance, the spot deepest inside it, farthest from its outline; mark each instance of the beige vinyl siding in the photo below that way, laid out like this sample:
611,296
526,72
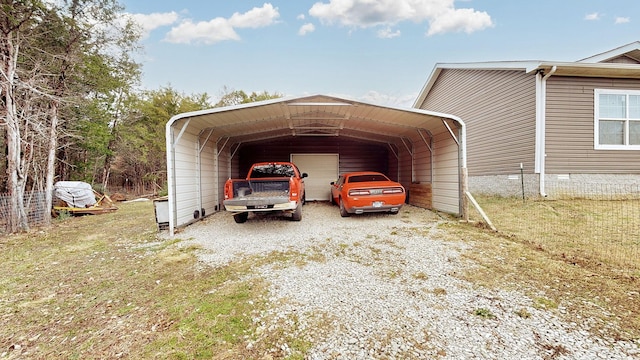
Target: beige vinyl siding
570,129
498,107
623,59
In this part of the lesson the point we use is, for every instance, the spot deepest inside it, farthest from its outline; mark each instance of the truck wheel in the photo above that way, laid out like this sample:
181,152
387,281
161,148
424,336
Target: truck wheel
343,211
297,214
241,217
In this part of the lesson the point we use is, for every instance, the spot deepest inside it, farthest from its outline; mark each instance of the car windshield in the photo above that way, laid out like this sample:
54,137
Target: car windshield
272,170
367,177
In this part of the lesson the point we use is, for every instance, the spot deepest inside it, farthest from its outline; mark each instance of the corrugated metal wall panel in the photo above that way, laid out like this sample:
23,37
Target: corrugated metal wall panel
495,105
354,155
394,168
570,128
224,172
185,158
422,162
446,177
208,177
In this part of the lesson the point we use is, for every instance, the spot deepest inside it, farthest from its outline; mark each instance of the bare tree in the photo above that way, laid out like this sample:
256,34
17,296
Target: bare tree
16,21
55,72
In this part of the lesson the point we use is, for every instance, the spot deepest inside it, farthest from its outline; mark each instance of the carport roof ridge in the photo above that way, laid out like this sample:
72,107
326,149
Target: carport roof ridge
293,100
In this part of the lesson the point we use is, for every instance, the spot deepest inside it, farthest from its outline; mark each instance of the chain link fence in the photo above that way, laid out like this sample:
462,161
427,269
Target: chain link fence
590,223
35,208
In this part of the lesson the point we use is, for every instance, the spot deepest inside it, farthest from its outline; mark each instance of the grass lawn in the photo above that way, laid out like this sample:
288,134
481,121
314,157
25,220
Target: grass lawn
583,255
105,286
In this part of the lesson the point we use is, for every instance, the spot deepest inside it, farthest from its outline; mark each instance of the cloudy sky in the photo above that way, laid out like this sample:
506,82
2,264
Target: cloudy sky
372,50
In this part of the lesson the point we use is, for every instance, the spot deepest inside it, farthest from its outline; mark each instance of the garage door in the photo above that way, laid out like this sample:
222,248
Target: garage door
322,170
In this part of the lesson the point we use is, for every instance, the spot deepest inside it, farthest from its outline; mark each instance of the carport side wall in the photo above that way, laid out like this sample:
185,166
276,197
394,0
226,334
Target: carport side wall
393,162
416,170
446,173
445,180
208,177
224,172
185,175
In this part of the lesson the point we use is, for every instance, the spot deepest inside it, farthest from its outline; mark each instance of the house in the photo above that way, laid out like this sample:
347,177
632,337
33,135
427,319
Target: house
558,123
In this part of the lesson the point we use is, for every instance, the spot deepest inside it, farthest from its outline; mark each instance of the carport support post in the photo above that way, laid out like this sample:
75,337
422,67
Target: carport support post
465,189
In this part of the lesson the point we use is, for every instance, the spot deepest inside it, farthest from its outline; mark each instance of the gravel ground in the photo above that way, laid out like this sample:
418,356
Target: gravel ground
381,286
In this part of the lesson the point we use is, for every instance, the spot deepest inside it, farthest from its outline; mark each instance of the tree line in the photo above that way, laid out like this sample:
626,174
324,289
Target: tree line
71,107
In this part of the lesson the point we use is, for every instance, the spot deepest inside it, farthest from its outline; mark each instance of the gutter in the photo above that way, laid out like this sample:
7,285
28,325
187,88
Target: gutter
541,119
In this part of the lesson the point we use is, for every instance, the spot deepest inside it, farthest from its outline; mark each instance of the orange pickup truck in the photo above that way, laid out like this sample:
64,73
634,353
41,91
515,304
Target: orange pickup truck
268,187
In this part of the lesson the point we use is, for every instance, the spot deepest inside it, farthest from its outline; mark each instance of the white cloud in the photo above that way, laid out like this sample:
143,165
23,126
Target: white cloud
592,16
622,20
256,17
306,28
466,20
150,22
300,17
441,14
208,32
387,33
403,101
222,29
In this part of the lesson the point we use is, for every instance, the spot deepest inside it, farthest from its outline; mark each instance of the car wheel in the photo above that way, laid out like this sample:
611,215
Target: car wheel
343,211
241,217
332,200
297,214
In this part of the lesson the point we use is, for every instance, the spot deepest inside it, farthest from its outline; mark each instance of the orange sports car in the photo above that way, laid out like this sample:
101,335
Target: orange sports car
366,191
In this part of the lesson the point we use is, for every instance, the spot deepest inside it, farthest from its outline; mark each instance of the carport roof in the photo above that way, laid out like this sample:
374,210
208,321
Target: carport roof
316,115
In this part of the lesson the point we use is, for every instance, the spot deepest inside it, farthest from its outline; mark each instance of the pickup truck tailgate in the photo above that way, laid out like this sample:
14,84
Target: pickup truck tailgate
258,200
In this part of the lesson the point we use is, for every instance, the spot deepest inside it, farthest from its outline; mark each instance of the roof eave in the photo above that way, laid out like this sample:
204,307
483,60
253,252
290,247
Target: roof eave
607,55
582,69
525,66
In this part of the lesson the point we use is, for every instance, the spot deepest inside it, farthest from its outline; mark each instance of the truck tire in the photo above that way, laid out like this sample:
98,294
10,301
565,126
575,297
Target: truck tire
297,214
343,211
241,217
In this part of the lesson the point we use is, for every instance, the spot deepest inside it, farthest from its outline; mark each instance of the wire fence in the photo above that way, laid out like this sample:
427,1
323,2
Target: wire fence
587,223
34,205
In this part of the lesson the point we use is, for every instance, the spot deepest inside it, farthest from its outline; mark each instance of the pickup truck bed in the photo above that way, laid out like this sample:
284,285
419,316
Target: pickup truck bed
268,187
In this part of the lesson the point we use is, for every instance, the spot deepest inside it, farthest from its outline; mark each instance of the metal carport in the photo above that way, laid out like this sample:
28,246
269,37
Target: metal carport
429,147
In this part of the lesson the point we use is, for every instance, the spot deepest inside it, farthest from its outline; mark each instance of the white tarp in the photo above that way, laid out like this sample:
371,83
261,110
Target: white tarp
76,194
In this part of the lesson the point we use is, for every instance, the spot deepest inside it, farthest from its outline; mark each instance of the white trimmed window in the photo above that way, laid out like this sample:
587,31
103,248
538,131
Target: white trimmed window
617,119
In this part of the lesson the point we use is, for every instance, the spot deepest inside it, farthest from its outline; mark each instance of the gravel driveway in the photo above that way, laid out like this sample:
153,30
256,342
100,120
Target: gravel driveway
381,286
